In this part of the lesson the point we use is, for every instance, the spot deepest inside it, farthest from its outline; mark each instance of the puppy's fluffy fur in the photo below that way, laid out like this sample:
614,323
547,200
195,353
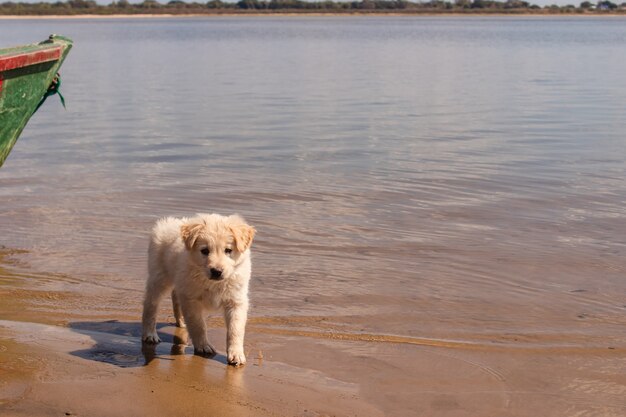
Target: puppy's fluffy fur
204,261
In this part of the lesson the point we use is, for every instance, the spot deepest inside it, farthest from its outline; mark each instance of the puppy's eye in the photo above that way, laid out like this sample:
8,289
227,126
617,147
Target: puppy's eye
228,251
204,251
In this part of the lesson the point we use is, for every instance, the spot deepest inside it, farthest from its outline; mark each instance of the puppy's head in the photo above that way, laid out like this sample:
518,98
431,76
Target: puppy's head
217,243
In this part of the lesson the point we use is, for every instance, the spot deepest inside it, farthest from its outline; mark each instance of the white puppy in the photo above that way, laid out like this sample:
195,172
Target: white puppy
204,261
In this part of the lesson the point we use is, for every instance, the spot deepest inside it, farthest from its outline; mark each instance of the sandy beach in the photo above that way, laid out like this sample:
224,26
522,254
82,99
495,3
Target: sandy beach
50,371
58,356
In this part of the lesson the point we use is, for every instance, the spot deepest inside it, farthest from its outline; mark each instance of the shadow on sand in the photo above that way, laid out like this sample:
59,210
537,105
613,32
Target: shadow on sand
119,343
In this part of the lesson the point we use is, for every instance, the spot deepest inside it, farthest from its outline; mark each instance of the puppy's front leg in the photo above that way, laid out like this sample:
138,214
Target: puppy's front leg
235,316
155,289
193,311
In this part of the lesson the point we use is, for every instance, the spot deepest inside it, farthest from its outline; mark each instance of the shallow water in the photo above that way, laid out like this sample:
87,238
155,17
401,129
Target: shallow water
429,178
386,162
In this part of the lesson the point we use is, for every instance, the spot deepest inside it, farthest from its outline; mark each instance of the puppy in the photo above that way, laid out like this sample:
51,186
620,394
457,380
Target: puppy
204,262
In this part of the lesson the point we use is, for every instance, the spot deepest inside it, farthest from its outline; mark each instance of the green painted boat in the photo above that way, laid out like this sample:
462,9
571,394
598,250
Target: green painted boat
28,74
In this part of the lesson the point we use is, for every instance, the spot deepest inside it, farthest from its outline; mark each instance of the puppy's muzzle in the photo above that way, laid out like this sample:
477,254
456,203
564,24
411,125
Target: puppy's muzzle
216,274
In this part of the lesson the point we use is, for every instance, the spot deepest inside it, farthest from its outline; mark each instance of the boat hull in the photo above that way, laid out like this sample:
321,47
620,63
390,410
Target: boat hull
26,73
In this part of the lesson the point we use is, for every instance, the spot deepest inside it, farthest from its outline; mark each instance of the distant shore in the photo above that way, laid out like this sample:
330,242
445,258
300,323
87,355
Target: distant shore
304,14
154,8
90,8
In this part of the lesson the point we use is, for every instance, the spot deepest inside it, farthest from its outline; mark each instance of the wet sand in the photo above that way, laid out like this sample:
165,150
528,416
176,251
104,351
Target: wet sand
84,362
58,371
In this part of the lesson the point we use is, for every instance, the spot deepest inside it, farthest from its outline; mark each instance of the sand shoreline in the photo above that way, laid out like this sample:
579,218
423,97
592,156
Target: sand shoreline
77,350
80,368
50,370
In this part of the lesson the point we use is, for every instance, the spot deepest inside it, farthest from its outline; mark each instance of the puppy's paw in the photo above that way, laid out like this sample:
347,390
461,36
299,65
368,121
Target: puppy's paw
204,349
236,357
181,323
151,338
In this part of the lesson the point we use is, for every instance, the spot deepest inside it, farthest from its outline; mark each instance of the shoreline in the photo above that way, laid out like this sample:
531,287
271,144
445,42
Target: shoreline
313,14
62,355
95,361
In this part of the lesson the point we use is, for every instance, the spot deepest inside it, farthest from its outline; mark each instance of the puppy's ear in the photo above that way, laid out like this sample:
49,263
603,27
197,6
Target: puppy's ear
190,233
243,234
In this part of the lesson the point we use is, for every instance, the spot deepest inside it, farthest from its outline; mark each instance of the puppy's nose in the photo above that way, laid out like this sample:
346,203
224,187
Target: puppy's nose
216,273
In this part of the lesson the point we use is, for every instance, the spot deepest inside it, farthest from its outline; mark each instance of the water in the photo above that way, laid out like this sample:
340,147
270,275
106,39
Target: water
413,176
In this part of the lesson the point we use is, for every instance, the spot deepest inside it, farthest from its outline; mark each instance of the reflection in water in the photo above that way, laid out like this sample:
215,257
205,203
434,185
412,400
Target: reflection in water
180,341
178,345
233,378
148,350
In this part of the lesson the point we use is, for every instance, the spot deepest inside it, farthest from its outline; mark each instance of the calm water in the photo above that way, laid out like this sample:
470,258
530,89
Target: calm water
414,176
